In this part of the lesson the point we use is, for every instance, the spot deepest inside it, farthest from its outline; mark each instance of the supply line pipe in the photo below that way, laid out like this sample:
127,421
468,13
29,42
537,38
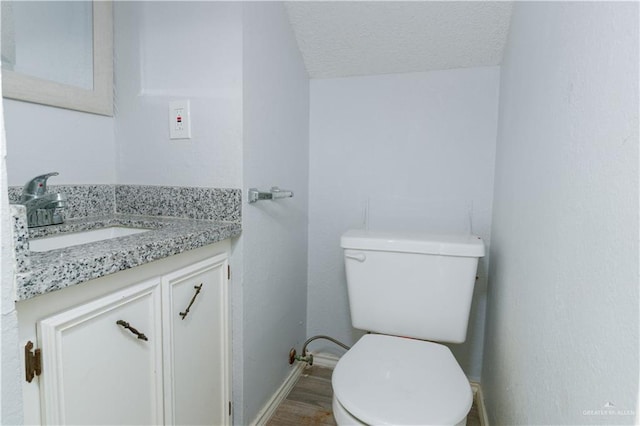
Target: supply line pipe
309,358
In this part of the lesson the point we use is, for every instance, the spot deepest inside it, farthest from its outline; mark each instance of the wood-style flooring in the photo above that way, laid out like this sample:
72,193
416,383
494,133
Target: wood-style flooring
309,402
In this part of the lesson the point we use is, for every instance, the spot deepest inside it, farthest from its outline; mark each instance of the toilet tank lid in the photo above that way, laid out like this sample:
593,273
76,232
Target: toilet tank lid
414,242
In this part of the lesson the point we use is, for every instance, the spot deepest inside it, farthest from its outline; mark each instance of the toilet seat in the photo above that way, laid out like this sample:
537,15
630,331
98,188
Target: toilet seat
388,380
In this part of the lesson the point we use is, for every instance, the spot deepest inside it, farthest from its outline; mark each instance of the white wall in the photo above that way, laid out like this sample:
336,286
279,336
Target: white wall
43,139
11,406
275,153
562,325
420,148
168,51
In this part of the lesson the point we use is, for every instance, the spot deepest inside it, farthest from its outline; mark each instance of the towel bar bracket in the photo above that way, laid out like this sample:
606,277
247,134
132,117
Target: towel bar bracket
274,194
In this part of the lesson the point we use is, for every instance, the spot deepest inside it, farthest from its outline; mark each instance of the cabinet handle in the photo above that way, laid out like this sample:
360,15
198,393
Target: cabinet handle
126,325
193,299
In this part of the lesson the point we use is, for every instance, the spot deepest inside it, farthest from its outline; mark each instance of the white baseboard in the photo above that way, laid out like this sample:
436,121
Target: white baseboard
272,405
482,409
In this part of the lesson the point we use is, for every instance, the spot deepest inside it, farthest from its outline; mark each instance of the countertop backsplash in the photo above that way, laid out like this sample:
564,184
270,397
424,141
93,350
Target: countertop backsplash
82,200
222,204
179,201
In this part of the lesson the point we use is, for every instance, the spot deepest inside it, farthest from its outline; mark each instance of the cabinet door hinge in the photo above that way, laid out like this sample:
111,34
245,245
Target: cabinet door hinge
228,272
32,362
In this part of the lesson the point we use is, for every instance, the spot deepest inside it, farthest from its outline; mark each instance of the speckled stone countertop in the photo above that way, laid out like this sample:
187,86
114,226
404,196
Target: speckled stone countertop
43,272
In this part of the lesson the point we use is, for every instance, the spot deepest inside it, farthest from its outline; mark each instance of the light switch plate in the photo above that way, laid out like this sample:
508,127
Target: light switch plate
179,120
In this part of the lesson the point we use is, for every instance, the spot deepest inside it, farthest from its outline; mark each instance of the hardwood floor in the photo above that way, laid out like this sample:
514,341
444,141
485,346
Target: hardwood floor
309,402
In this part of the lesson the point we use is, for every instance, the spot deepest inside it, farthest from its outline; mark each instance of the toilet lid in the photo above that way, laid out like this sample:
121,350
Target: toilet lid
387,380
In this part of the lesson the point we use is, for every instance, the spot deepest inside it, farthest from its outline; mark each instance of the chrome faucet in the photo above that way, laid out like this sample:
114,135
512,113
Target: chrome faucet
42,208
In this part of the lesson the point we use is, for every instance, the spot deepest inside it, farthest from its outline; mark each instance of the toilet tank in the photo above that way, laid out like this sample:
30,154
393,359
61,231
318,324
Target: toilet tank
411,284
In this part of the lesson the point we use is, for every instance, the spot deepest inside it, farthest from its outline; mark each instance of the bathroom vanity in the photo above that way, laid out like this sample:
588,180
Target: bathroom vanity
94,369
127,330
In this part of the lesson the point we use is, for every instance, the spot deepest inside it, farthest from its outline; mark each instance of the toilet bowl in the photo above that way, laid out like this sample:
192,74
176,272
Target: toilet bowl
388,380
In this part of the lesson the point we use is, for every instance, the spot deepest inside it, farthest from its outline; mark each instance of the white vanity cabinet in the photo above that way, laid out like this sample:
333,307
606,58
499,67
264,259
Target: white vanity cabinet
196,344
96,370
150,345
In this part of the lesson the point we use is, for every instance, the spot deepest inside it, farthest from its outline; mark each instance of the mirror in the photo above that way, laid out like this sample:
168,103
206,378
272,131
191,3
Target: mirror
59,53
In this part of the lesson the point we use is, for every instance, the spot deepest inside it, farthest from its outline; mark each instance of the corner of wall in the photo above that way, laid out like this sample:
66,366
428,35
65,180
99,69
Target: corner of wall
11,405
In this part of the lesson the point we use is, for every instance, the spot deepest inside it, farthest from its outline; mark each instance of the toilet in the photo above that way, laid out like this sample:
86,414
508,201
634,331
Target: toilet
409,290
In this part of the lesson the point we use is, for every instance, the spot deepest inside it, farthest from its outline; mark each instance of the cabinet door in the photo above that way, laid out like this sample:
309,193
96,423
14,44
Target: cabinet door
197,346
98,372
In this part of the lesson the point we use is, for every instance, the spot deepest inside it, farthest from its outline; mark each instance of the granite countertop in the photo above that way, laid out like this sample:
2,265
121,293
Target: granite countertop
43,272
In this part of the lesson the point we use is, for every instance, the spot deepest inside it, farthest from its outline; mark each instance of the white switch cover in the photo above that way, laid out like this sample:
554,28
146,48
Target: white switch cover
179,120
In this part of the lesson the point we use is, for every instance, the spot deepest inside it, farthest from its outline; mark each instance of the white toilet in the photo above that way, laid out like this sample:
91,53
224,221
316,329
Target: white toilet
417,286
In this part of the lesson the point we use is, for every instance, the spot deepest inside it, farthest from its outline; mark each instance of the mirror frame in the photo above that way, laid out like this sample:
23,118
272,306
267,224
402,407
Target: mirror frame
97,101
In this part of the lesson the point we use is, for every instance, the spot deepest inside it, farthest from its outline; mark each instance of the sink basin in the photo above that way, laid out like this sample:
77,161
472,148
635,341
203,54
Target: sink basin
67,240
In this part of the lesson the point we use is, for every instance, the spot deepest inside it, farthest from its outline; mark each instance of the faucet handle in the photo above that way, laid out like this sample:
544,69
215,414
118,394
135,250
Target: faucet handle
36,187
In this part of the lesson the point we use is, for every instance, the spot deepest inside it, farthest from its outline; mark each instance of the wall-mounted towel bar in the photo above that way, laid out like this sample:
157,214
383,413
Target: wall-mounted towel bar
273,194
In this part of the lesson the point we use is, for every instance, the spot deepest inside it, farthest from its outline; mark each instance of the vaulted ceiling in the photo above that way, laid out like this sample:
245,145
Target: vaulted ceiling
344,38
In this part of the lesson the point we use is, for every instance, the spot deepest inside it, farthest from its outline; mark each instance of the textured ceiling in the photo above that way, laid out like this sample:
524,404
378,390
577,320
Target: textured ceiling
340,38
